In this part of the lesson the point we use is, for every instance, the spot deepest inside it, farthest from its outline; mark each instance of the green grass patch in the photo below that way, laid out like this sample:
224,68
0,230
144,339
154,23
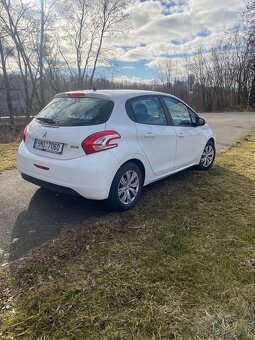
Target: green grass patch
8,155
180,265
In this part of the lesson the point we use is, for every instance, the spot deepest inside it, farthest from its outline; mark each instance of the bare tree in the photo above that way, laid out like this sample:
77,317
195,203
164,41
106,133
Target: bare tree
88,24
3,57
111,18
165,73
249,18
81,31
44,20
18,24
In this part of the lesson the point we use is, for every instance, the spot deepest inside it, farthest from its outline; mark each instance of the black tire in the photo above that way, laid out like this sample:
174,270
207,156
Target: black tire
207,157
116,200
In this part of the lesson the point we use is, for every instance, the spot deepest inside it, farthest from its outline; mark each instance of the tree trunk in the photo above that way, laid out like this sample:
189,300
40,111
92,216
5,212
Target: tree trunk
42,90
252,94
97,56
7,85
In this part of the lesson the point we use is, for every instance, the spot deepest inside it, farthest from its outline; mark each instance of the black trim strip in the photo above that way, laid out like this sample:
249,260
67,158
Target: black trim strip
50,186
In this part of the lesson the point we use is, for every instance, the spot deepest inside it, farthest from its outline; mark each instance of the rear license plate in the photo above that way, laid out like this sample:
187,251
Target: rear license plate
45,145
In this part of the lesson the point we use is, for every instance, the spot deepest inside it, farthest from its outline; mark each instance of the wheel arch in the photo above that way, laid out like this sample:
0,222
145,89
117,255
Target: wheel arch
112,201
139,164
211,140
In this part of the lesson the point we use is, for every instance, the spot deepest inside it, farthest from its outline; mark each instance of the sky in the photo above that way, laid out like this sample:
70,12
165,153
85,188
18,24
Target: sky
170,29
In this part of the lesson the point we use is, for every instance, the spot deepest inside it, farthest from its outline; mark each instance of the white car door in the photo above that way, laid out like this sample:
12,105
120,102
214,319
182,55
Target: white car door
155,136
189,136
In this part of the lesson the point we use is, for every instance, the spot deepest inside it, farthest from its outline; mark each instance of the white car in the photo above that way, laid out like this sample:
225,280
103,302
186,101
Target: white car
108,144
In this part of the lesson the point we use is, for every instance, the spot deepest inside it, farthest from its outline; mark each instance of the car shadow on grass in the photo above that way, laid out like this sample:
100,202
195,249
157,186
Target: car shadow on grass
48,214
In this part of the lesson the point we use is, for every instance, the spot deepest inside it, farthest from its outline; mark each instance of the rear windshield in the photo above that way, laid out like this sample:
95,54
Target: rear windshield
76,111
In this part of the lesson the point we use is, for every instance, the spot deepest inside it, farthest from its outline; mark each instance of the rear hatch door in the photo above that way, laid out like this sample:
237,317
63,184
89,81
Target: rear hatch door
59,129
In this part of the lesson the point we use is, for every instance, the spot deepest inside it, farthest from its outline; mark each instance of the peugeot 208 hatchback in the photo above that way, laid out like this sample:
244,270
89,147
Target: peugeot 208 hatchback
109,144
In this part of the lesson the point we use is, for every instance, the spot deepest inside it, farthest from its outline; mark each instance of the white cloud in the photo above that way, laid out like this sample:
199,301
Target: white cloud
138,80
201,5
153,30
155,51
127,67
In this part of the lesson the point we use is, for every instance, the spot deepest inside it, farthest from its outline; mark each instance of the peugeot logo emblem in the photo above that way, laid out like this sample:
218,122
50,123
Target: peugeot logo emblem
45,134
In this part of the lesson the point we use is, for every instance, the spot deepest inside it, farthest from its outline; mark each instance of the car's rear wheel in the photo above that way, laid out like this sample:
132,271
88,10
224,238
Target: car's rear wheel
207,157
126,187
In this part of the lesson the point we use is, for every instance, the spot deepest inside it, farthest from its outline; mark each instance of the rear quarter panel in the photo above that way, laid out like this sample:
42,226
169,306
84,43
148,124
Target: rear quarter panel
128,146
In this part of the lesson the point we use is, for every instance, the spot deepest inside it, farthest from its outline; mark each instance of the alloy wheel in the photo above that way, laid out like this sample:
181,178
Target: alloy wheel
207,156
128,187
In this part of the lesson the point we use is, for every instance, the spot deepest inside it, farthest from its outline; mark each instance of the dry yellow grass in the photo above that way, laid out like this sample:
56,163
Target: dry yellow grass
8,155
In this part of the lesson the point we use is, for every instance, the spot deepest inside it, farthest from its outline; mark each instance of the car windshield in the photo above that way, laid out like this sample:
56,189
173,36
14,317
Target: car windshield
76,112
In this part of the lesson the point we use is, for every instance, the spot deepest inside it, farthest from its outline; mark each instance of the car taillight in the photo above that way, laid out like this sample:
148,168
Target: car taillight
25,133
100,141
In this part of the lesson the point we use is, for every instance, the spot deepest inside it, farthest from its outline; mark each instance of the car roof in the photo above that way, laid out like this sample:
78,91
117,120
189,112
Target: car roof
114,94
122,94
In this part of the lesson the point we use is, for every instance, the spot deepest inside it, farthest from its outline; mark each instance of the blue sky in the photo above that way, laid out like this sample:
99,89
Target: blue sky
170,29
137,69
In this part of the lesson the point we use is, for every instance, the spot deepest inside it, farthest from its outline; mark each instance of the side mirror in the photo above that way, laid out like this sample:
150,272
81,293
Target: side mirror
200,121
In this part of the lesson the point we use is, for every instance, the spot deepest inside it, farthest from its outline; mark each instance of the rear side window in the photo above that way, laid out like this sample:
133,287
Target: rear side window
76,111
147,110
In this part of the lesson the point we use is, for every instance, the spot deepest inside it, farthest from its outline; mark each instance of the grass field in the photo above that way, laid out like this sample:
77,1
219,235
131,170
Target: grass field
8,155
10,137
180,265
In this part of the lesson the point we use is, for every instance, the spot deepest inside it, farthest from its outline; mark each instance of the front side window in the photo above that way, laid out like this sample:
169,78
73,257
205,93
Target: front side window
76,111
179,112
148,110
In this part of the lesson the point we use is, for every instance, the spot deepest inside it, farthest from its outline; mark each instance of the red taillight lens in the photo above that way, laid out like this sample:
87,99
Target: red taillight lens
76,94
100,141
25,133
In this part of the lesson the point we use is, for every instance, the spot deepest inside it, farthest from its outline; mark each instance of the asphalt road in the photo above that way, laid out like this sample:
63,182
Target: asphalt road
230,126
30,216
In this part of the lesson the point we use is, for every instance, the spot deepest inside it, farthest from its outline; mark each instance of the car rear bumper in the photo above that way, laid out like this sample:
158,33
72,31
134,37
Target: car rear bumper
89,176
50,186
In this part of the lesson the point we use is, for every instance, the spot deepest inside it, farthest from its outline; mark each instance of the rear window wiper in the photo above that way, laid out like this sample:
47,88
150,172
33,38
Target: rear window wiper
46,120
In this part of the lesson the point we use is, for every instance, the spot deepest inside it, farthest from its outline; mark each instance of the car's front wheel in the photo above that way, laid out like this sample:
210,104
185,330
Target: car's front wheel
207,157
126,187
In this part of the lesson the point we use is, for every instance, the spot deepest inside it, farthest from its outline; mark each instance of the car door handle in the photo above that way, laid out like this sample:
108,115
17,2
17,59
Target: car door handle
180,135
149,135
